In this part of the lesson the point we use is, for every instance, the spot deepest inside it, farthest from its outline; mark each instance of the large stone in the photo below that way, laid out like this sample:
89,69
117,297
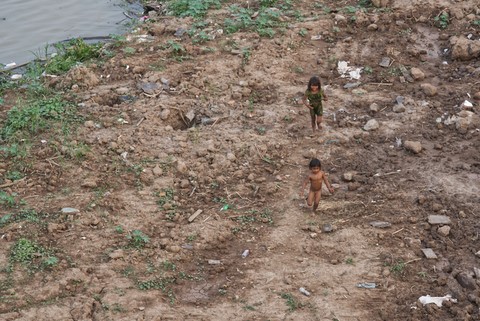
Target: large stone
429,89
444,230
413,146
439,219
372,124
429,254
464,49
380,3
417,73
466,281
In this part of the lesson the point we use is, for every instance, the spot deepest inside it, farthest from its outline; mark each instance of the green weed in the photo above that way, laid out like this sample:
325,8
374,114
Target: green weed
36,116
398,268
290,301
349,261
303,32
165,196
8,200
442,20
137,239
192,8
69,54
14,175
155,284
31,255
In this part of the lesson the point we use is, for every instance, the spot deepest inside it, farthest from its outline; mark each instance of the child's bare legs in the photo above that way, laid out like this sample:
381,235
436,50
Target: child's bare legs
314,199
319,121
314,121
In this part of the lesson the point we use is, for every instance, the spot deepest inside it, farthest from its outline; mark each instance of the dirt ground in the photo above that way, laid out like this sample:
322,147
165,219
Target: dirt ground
219,127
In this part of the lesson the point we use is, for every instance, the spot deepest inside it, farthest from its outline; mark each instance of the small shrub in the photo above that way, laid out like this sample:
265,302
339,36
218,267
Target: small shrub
442,20
71,53
192,8
137,239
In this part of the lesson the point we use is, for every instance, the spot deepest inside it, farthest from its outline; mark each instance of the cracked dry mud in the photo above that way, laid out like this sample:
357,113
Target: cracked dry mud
223,132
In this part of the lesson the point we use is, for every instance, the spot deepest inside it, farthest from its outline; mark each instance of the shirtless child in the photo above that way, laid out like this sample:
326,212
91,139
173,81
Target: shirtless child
316,178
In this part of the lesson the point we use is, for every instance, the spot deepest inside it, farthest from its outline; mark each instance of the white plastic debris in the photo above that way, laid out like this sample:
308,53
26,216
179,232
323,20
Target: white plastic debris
347,71
304,291
10,65
466,104
438,300
16,77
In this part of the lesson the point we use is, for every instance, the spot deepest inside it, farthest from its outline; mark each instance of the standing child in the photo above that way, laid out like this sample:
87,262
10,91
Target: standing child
313,100
316,178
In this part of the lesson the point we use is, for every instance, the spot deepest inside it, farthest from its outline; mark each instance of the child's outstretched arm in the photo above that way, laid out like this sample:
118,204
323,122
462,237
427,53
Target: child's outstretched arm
327,183
305,102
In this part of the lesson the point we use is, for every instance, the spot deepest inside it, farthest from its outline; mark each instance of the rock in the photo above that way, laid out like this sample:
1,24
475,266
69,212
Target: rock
89,124
372,27
54,227
429,89
372,124
444,230
438,219
476,95
157,171
327,228
380,224
89,183
69,210
464,49
117,254
385,62
380,3
182,167
417,73
339,18
399,108
429,254
164,114
374,107
413,146
348,176
466,281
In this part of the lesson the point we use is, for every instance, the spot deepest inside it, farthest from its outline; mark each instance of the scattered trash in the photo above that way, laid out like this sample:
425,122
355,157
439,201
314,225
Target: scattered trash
429,254
194,215
225,207
317,37
187,246
214,262
70,210
327,228
380,224
303,291
353,72
16,77
351,85
245,253
366,285
466,105
438,300
385,63
398,142
10,65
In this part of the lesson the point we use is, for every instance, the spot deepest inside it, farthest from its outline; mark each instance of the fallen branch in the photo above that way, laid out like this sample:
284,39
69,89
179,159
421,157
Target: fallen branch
12,183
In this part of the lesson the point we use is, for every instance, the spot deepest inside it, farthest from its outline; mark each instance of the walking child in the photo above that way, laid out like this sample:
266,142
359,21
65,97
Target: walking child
313,100
316,179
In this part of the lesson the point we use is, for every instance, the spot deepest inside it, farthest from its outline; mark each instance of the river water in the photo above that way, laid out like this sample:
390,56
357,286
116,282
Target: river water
28,26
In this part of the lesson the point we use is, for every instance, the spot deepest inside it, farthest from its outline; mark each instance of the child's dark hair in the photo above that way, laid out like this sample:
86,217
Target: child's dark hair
315,81
315,162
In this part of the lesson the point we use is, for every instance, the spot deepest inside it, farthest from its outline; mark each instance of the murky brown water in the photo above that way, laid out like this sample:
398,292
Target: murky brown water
27,26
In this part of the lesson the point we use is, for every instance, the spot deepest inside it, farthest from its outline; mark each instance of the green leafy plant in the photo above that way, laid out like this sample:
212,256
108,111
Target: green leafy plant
192,8
36,116
290,301
31,255
349,261
70,53
398,267
442,20
137,239
303,32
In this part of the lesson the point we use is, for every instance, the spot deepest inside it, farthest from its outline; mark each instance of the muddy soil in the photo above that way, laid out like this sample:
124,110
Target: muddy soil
217,129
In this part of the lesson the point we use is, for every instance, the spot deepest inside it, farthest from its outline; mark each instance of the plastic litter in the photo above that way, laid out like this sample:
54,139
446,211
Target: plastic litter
366,285
245,253
438,300
303,291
